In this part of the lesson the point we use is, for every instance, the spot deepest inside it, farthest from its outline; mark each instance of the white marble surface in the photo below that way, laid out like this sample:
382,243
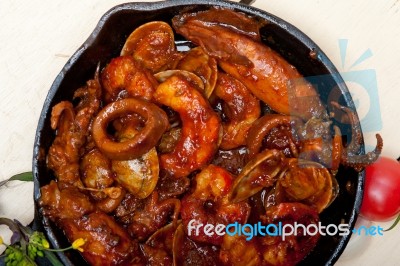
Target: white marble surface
37,37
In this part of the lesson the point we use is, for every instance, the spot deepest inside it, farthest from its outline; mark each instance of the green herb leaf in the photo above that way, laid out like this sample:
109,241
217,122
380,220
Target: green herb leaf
394,224
27,176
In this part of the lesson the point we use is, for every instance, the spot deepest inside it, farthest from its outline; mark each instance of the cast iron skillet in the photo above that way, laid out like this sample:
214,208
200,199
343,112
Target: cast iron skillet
106,42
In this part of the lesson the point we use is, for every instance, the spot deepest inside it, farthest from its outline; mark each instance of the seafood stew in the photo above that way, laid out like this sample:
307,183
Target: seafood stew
147,118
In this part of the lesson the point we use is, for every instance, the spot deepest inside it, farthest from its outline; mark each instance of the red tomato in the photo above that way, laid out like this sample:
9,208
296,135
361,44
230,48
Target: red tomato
382,190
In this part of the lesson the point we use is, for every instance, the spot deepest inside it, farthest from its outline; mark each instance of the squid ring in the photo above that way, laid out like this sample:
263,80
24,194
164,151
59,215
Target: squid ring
241,109
150,134
262,127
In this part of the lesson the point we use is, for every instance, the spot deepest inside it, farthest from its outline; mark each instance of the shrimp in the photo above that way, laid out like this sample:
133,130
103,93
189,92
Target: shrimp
124,77
201,127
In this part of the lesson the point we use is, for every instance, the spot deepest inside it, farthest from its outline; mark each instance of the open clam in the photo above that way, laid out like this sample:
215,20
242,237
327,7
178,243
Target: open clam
290,180
152,44
203,65
139,176
307,182
262,171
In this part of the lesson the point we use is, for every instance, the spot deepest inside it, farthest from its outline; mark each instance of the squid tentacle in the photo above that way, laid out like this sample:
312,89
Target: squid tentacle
358,162
350,156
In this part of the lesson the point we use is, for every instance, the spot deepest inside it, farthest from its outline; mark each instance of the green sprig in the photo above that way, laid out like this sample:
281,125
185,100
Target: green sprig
26,177
394,224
